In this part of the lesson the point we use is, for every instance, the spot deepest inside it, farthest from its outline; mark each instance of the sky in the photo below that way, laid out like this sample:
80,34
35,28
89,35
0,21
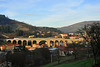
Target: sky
51,13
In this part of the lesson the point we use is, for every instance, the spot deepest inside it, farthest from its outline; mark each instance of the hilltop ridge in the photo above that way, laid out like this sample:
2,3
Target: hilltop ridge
73,28
26,28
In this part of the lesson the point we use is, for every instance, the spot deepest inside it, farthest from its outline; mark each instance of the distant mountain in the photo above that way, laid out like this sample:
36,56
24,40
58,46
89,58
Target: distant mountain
17,25
73,28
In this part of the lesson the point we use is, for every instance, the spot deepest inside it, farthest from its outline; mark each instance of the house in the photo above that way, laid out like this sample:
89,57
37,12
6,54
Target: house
71,33
31,36
63,35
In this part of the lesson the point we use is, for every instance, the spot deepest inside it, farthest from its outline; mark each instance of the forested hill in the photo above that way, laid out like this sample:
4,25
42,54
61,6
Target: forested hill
73,28
10,26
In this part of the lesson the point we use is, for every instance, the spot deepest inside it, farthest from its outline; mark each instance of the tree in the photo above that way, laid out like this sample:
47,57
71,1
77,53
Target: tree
92,36
41,56
19,32
5,29
19,56
76,48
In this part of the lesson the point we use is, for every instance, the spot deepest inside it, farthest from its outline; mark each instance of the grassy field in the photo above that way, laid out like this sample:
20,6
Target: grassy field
80,63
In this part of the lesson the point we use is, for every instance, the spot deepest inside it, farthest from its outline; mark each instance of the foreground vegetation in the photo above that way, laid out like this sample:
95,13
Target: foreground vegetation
79,63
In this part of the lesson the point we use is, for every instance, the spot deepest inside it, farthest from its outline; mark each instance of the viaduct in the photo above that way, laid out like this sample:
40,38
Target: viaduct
49,41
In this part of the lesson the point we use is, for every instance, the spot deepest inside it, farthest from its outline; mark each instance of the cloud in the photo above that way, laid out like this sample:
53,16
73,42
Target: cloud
10,13
60,15
51,12
66,15
90,7
1,5
74,3
14,7
19,5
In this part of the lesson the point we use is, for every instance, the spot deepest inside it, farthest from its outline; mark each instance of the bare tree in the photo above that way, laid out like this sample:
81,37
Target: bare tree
92,36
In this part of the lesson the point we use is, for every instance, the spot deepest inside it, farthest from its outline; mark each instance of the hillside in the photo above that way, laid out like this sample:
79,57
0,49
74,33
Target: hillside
5,22
73,28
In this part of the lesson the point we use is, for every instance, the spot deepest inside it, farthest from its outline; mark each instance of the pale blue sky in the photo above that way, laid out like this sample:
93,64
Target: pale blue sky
51,13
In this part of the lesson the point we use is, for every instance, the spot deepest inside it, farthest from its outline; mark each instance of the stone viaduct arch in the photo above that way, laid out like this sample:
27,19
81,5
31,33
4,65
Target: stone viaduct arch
51,42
